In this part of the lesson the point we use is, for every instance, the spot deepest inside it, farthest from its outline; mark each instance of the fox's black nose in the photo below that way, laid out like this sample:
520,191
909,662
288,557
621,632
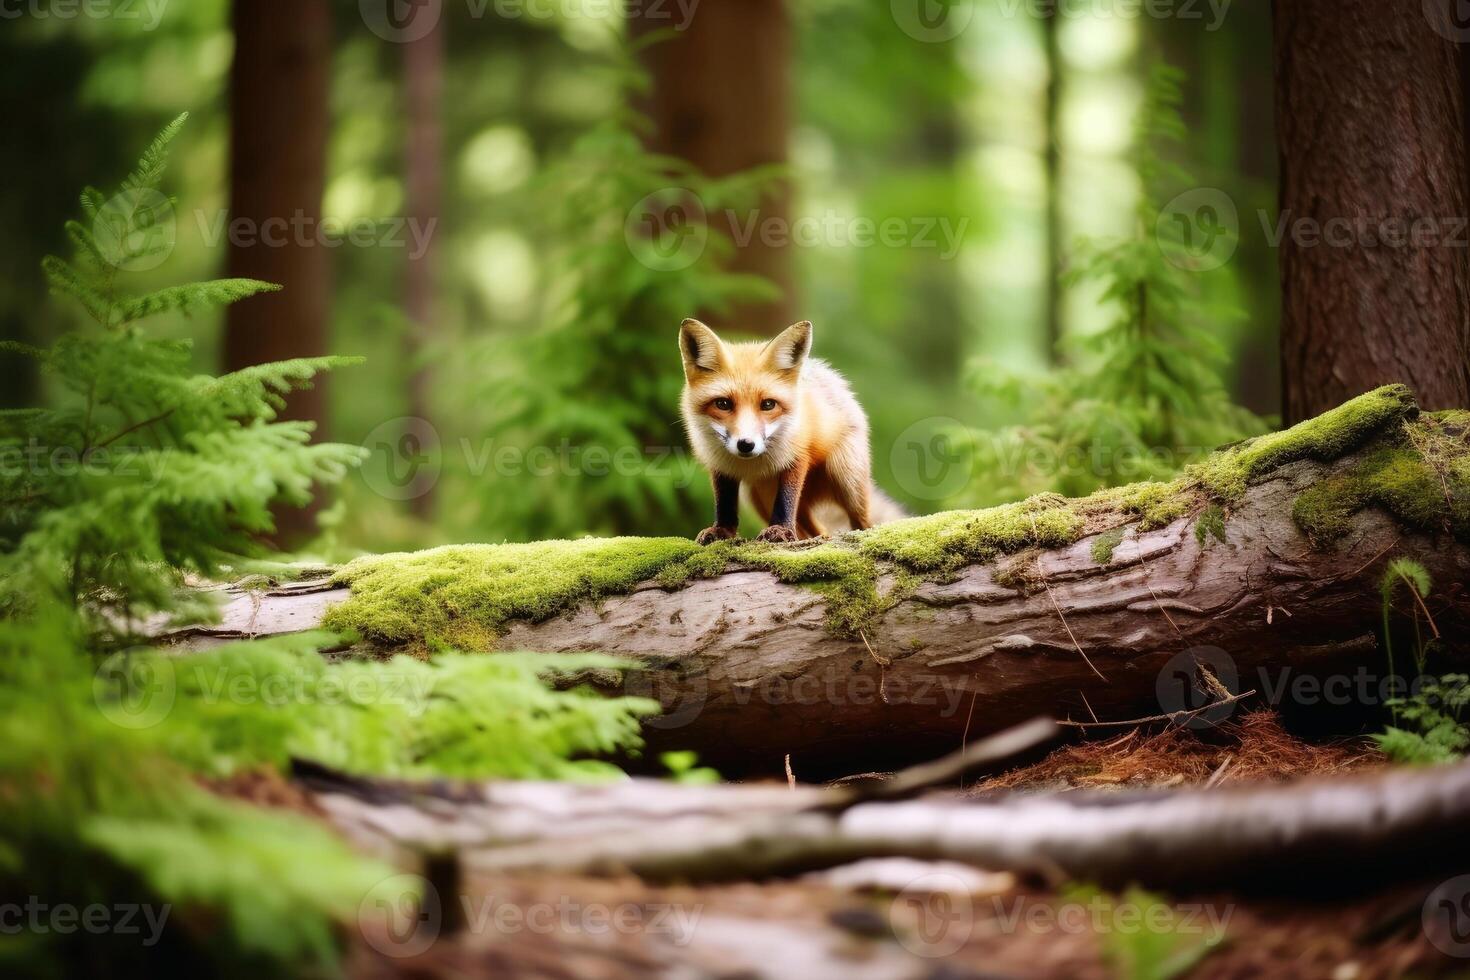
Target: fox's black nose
745,446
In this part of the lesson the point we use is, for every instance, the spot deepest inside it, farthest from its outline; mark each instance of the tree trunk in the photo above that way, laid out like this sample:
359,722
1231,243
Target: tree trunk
1375,268
749,672
423,74
1055,247
279,121
721,100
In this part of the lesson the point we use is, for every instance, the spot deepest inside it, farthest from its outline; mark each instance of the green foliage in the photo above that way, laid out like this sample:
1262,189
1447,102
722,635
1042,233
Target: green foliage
1415,578
1143,938
95,808
1147,394
173,474
1430,725
143,471
635,245
684,768
461,715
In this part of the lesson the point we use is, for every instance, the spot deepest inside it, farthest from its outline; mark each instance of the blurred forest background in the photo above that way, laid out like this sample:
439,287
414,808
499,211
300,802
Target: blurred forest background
540,192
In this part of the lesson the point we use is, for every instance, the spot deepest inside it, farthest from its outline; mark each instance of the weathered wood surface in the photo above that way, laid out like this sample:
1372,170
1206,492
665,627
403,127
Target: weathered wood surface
748,672
1318,833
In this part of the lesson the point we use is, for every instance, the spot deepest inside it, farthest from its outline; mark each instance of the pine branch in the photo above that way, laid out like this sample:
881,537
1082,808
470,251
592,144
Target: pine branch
68,281
151,166
132,428
192,298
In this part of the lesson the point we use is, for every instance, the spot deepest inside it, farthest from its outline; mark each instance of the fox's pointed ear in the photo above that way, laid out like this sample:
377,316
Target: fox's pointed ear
791,346
700,348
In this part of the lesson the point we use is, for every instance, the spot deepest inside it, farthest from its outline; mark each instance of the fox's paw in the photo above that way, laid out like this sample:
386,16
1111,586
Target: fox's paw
712,534
777,534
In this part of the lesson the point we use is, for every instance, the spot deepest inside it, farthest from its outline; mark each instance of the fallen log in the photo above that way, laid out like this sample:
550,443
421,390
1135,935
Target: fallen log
1396,825
1257,570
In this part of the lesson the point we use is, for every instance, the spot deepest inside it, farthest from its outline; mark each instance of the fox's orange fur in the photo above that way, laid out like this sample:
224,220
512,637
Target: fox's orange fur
785,426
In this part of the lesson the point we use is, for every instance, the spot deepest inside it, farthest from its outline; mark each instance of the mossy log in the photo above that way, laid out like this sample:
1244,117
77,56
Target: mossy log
1261,563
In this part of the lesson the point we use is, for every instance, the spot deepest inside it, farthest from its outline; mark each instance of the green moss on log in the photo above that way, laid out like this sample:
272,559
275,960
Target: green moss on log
1105,544
1331,435
468,595
1421,476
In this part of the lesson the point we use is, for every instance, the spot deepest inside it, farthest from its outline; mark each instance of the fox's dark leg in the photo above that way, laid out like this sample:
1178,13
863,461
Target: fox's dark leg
727,511
788,500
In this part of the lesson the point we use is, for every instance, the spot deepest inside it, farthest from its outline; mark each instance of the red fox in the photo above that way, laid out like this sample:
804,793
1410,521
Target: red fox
785,425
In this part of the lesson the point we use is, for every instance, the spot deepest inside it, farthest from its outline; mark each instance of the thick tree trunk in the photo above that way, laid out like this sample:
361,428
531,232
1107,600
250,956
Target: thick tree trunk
423,75
278,153
1375,268
749,673
721,99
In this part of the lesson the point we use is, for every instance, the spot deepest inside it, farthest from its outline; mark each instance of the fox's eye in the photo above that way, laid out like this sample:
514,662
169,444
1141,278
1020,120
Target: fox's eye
725,404
768,404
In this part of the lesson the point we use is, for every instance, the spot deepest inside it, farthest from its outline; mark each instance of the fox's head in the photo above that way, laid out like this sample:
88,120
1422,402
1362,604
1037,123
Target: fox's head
745,394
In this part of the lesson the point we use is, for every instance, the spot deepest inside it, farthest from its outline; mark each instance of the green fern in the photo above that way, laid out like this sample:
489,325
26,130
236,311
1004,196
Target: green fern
143,471
1429,726
462,715
139,474
149,171
192,298
97,811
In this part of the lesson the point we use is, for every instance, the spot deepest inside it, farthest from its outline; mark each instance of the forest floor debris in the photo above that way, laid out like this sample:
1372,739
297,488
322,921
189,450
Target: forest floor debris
1256,747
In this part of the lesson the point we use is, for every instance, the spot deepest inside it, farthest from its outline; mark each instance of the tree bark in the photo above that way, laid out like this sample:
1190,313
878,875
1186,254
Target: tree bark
1372,146
748,672
278,153
721,100
423,75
